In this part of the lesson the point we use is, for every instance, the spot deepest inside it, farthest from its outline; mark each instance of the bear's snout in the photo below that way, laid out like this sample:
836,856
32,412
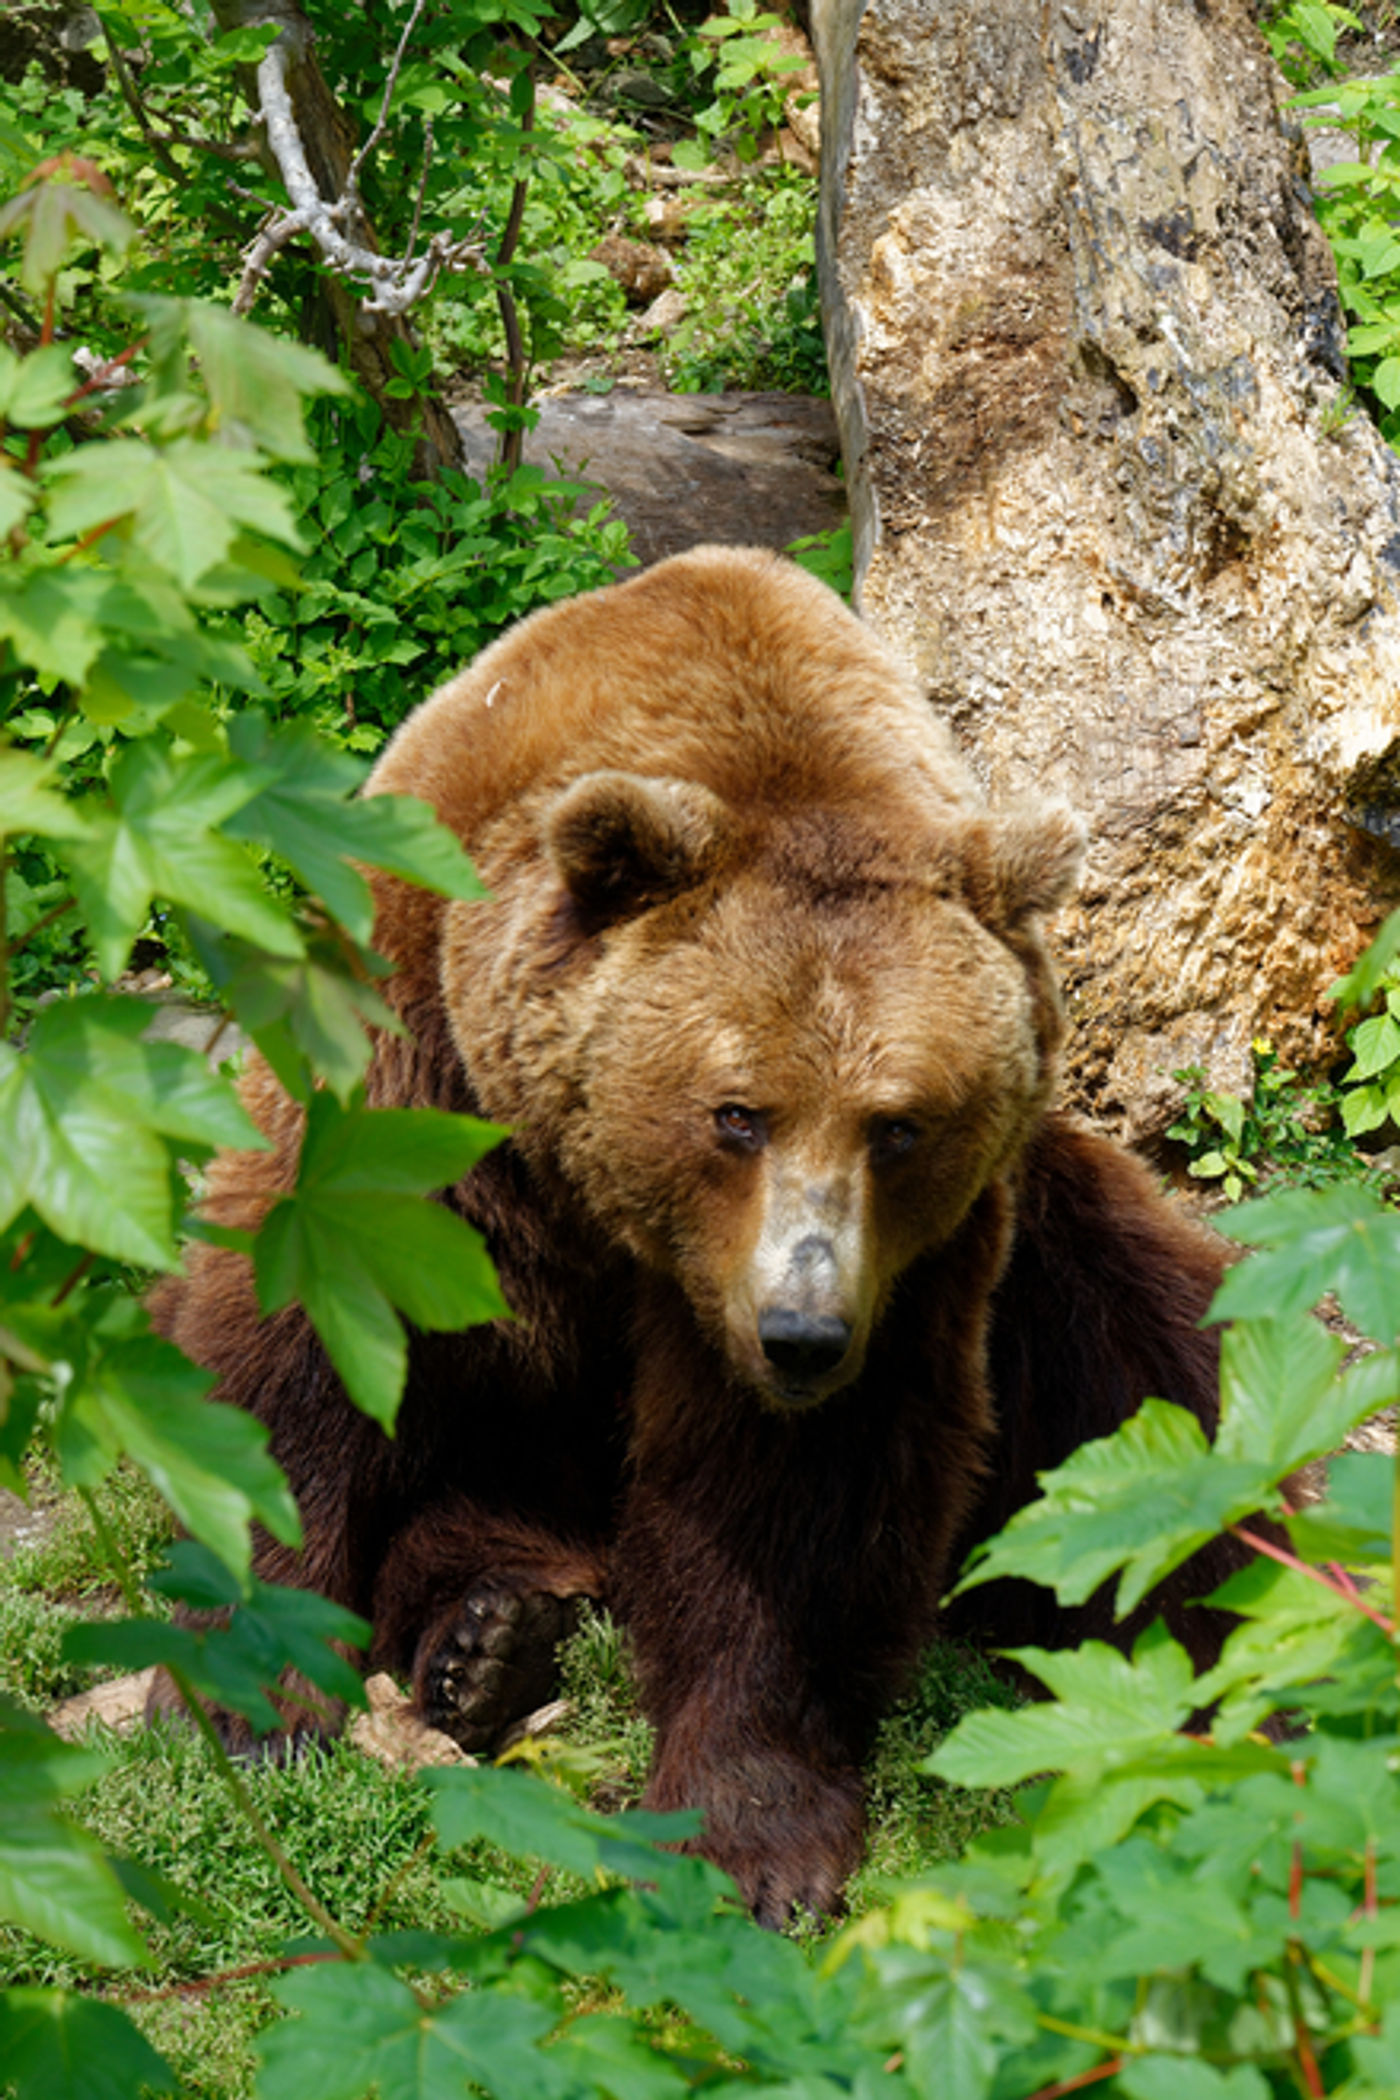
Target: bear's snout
803,1345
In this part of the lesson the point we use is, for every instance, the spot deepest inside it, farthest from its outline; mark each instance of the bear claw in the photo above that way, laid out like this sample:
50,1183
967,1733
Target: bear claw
495,1663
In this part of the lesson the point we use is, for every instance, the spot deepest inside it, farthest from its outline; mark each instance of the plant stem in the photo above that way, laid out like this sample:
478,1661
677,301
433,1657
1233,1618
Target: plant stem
1301,1567
4,944
345,1942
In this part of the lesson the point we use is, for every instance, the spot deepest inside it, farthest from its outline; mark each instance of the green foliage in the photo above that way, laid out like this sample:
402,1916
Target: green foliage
1370,1096
748,274
829,556
406,579
736,60
1287,1131
1303,37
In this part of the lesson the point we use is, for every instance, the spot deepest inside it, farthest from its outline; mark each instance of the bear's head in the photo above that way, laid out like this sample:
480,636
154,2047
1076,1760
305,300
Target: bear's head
777,1059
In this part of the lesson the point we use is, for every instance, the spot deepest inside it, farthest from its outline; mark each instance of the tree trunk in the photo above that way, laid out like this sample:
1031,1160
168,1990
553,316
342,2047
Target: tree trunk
364,339
1087,359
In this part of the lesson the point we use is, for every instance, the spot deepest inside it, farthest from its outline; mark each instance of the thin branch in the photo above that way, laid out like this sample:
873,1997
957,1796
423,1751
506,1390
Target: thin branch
349,205
396,285
131,96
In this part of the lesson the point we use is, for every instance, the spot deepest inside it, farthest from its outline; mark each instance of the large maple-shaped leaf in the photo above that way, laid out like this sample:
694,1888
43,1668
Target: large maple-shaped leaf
162,838
52,619
1342,1240
356,1241
1142,1500
28,801
186,501
56,2045
210,1461
84,1111
54,1880
1104,1702
304,815
360,2027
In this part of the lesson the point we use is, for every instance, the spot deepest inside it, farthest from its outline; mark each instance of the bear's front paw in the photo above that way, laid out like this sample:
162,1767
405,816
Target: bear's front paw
491,1660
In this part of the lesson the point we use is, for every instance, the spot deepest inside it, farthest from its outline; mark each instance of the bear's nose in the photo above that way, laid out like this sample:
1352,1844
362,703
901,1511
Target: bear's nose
801,1344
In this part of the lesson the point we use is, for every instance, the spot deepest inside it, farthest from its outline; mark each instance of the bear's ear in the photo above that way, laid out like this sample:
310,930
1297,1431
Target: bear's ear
623,842
1021,861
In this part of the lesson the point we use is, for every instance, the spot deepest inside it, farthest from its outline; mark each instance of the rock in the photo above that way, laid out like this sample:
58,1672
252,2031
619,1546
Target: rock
663,317
119,1704
643,271
1087,363
393,1734
753,469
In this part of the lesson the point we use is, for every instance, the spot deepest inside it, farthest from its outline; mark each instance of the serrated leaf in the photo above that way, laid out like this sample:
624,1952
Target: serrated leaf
531,1819
28,802
359,2026
304,815
55,2045
1353,1524
34,390
1104,1703
1343,1240
162,840
257,380
354,1241
84,1112
51,618
54,1881
1282,1402
307,1014
210,1461
1143,1499
186,500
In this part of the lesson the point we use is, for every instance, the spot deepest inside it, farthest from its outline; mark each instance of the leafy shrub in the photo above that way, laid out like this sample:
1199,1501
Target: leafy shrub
1287,1131
406,579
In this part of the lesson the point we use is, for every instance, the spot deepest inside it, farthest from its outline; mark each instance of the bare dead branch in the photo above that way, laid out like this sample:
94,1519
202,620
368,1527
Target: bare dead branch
396,284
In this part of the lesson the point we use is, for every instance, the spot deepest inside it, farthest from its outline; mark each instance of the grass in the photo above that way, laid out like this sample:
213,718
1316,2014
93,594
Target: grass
360,1834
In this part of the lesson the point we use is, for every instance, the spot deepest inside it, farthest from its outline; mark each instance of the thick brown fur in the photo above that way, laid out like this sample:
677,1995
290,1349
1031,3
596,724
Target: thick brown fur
808,1280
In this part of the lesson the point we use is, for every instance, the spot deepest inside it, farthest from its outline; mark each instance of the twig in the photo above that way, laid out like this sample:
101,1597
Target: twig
398,284
195,1986
1074,2085
349,205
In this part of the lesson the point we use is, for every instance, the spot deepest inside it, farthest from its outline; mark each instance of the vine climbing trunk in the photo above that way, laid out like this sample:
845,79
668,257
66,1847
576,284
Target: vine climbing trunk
1111,496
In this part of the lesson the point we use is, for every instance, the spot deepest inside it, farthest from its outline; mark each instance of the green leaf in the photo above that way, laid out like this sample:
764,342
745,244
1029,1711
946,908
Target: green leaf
27,800
54,1880
1143,1499
257,380
1282,1402
84,1111
355,1240
1385,381
304,815
210,1461
1362,982
306,1014
34,390
531,1819
50,618
54,213
1375,1045
1104,1703
359,2026
56,2045
163,840
186,500
1341,1239
1353,1525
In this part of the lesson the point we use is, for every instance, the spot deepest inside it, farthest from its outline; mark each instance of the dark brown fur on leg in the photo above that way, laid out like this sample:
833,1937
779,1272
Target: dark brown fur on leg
1099,1309
772,1629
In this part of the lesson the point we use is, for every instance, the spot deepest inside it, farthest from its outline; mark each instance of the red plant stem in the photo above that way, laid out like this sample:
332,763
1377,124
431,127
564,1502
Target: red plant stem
1073,2085
1370,1905
1312,2077
1300,1567
195,1986
1295,1883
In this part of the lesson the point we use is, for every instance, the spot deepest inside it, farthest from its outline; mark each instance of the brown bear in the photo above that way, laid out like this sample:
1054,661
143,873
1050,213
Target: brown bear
808,1280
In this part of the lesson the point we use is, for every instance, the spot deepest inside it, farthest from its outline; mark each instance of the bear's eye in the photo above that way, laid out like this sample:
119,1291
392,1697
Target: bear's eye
893,1137
739,1126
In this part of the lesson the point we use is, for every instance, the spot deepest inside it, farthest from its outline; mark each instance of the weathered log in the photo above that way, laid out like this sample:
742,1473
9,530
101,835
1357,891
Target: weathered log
1110,495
